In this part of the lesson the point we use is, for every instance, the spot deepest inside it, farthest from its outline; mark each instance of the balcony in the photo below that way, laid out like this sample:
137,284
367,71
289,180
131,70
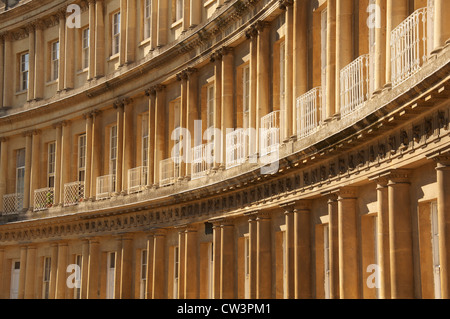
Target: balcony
355,85
43,198
137,179
106,186
236,147
202,160
270,133
73,193
169,170
411,44
12,203
309,112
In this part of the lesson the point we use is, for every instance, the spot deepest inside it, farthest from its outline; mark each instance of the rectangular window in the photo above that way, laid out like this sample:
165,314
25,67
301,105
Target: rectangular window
20,171
55,60
177,10
113,150
210,106
24,68
46,277
115,33
145,137
110,275
85,47
51,164
143,278
147,18
15,274
81,157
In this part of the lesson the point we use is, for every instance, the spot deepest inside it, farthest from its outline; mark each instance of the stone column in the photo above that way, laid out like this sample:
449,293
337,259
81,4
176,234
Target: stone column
184,150
91,70
30,279
253,146
93,271
118,267
186,15
192,114
2,273
62,49
159,130
195,13
31,61
84,268
252,243
8,85
69,59
66,152
162,22
35,162
216,260
151,138
58,157
97,149
123,32
61,275
120,110
227,102
263,256
22,273
344,41
383,238
159,270
400,235
216,58
39,80
227,260
331,60
441,24
89,151
263,71
290,250
154,25
348,244
181,263
130,31
191,264
150,256
2,69
53,270
443,206
333,246
3,168
302,249
396,12
99,39
27,197
289,111
380,49
128,141
126,267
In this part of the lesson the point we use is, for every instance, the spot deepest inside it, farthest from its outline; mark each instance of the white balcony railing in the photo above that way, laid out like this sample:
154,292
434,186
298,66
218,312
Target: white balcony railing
137,179
73,193
410,44
355,86
237,142
169,171
12,203
270,133
106,186
202,160
43,198
309,112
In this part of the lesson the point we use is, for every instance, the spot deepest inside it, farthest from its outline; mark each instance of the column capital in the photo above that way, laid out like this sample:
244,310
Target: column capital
397,176
441,157
283,4
347,192
37,132
261,25
4,139
27,133
222,221
225,50
161,232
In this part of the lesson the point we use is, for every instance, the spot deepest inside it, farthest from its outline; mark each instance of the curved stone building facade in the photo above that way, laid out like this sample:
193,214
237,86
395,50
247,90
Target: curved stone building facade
224,149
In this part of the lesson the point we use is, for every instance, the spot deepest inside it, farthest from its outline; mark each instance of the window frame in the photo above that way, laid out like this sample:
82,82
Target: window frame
24,70
115,36
81,157
54,60
46,276
85,48
51,164
113,144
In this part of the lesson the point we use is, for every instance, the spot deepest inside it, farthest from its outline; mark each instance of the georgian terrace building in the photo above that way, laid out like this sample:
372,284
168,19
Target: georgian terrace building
347,103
